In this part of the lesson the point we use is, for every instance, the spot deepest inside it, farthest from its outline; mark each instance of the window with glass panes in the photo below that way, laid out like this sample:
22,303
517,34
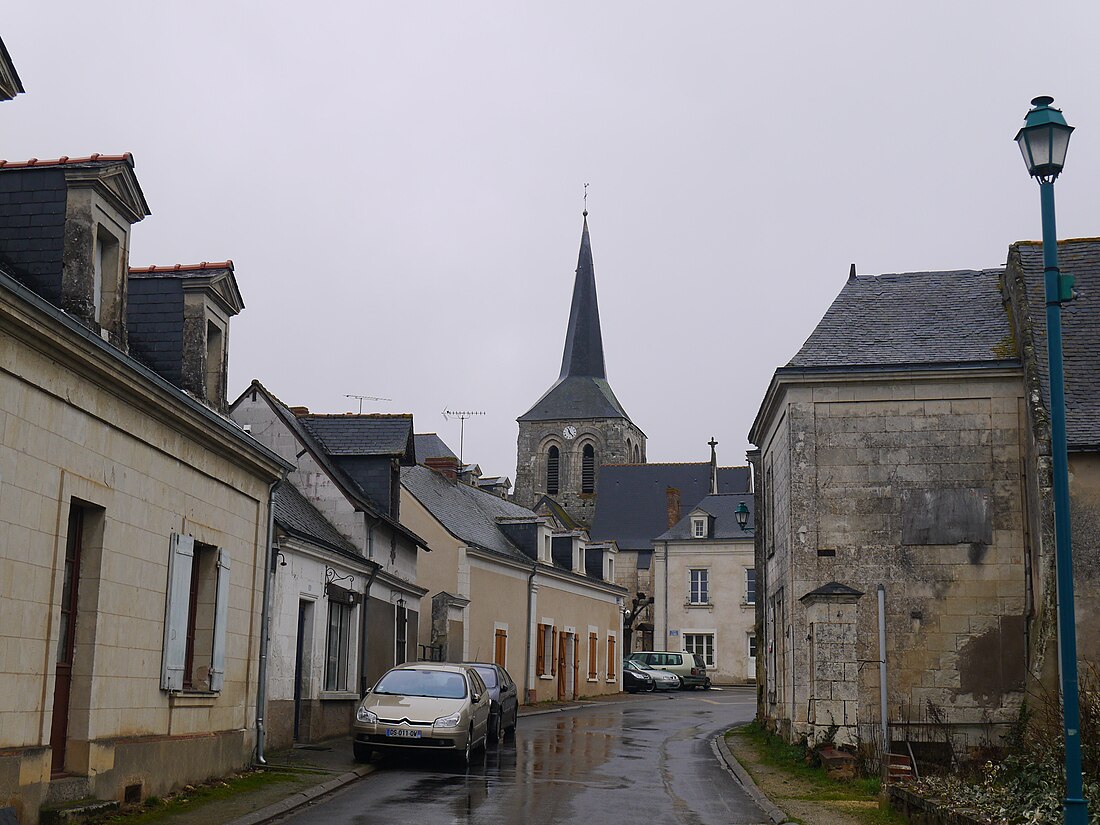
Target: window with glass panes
339,637
698,591
701,643
750,585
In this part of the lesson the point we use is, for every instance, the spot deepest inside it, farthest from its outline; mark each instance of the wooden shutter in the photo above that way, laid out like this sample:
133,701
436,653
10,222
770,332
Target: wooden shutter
554,650
611,657
540,650
221,614
593,645
501,653
181,556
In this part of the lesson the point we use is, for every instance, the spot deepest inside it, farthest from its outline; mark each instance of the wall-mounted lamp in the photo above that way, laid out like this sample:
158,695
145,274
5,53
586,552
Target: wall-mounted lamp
281,559
742,513
332,576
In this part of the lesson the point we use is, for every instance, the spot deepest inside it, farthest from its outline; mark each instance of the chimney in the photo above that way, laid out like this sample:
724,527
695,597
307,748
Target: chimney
298,412
445,465
673,506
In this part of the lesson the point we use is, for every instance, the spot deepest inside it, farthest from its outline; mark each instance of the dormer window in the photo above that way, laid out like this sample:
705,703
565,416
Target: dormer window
546,555
699,527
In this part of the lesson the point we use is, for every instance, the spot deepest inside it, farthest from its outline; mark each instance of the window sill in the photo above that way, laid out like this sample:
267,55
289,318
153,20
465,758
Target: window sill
593,680
748,604
338,696
612,680
698,605
545,677
193,699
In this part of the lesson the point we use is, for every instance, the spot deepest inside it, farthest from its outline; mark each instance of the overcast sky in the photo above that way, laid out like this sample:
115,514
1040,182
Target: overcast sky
400,184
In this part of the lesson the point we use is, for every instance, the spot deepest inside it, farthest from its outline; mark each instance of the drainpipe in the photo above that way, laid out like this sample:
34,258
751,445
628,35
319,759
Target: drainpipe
363,616
528,666
882,672
265,619
666,596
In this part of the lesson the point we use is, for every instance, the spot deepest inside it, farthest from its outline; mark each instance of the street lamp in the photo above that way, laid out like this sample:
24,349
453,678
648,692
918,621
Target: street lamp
742,514
1043,141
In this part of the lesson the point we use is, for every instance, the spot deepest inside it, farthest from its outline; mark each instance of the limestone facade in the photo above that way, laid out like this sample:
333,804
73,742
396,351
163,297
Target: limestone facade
911,480
97,448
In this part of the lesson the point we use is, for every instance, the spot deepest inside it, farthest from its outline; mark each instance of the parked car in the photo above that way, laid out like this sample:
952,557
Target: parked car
635,679
662,679
423,706
690,667
503,699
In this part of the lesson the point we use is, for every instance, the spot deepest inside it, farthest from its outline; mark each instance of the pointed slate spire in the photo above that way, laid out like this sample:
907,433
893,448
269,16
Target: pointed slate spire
583,354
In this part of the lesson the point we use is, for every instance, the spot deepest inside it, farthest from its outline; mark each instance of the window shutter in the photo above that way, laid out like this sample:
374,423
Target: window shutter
540,651
181,555
554,651
610,657
221,614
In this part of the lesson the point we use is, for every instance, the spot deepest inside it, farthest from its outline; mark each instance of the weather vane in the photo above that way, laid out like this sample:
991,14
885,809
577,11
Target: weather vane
586,200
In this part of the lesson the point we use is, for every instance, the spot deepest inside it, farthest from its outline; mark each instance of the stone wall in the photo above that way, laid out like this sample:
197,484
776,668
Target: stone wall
914,483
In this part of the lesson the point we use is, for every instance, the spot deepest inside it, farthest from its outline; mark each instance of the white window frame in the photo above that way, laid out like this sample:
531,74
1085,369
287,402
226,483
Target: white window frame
705,632
704,585
698,527
750,571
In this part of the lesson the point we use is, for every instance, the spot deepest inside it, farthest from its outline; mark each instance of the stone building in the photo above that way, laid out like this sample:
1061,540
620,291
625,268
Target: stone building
133,516
348,596
891,455
514,587
704,587
578,424
638,503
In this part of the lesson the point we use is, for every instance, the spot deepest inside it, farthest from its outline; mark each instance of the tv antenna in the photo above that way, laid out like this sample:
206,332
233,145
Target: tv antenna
461,415
363,398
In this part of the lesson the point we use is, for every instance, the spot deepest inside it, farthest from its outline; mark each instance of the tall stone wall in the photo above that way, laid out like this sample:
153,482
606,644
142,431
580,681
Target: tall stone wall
914,484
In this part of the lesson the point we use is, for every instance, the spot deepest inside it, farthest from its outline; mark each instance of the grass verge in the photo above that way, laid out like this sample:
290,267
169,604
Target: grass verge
810,783
156,809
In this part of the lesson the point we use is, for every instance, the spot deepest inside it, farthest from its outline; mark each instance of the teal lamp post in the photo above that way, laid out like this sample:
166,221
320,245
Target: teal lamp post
1043,142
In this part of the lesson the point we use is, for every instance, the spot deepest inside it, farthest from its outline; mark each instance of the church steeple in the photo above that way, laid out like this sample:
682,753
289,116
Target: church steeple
583,354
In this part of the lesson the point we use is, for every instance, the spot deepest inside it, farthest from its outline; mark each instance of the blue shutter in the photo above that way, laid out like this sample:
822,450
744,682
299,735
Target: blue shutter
181,555
221,613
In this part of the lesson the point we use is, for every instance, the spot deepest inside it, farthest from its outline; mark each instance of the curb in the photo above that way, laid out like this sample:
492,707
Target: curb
722,751
303,797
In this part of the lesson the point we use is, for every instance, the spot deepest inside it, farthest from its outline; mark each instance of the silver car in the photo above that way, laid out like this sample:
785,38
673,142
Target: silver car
423,706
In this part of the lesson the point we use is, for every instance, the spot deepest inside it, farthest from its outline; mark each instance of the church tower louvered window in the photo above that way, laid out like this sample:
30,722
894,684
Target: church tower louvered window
553,461
588,469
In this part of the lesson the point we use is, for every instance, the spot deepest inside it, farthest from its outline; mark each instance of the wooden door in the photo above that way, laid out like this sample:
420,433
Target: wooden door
66,643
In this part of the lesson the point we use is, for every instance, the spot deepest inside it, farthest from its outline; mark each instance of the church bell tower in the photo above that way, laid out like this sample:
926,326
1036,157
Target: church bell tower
578,424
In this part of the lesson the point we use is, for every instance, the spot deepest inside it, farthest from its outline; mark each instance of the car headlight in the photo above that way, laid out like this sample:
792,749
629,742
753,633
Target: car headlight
364,715
451,721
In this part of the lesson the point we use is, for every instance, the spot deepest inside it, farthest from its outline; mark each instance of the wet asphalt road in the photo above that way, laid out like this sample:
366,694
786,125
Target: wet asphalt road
647,761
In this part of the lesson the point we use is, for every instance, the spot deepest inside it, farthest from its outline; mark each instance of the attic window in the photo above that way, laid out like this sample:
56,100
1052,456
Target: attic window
699,527
104,276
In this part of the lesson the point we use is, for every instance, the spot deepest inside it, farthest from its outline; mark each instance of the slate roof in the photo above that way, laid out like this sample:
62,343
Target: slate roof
359,435
430,445
723,509
581,391
632,507
295,514
1080,331
912,318
467,512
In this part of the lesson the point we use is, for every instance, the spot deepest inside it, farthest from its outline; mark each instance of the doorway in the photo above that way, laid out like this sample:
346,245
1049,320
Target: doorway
66,642
567,667
301,666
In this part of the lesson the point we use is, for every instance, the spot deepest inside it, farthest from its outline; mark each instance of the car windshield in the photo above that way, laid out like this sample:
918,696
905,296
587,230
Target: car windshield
488,675
630,664
438,684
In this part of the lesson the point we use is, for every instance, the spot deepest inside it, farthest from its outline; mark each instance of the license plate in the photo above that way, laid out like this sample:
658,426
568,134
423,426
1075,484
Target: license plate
402,733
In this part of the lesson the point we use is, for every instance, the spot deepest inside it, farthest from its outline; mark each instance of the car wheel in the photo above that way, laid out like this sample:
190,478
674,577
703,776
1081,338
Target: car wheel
463,756
679,683
361,752
652,686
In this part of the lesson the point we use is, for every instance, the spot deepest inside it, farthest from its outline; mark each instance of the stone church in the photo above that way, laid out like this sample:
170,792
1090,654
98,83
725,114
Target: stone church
578,424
